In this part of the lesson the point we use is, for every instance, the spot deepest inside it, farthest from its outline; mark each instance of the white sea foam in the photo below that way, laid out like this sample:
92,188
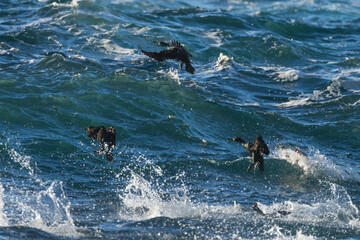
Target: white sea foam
288,75
144,197
295,103
295,158
350,79
336,208
73,3
333,91
303,99
145,200
140,31
172,73
4,222
75,31
223,62
277,233
356,103
250,104
23,160
283,74
317,163
47,210
43,207
108,47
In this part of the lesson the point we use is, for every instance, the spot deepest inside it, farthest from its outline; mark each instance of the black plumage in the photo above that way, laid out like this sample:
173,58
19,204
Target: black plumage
176,52
107,138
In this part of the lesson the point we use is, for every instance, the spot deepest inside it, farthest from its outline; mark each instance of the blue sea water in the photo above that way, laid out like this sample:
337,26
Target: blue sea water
288,70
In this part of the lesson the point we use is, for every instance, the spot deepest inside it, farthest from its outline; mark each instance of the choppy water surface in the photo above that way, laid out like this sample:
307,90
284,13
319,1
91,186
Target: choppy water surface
288,70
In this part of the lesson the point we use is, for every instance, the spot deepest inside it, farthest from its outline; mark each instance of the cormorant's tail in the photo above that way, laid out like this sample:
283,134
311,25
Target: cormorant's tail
189,68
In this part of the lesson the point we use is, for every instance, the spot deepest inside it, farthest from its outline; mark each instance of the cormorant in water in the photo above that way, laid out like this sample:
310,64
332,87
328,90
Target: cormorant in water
259,211
176,52
256,151
107,138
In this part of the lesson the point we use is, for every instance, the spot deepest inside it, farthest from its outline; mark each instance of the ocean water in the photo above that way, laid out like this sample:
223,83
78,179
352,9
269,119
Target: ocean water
288,70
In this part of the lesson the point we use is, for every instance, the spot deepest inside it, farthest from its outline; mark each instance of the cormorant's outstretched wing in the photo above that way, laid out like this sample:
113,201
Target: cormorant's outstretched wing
95,132
176,53
160,56
179,45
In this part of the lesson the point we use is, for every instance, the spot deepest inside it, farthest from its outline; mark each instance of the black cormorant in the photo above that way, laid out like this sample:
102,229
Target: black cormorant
107,138
176,52
256,150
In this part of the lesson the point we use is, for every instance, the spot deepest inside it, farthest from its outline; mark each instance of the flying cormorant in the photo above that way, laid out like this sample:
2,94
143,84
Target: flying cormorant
176,52
256,150
107,138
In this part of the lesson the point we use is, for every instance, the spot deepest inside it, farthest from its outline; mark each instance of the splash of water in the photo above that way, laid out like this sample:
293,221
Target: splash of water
4,222
336,208
317,163
147,201
223,62
45,209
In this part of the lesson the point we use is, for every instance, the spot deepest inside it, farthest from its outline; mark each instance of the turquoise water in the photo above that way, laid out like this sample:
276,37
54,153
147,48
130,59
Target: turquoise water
288,70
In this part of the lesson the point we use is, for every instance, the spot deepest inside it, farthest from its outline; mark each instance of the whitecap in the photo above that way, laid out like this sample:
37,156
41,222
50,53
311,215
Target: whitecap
295,158
336,208
283,74
223,62
172,73
334,89
288,75
317,163
295,103
332,92
143,200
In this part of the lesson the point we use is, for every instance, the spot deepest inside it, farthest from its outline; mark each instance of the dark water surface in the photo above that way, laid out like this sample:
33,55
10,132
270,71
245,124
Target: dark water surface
288,70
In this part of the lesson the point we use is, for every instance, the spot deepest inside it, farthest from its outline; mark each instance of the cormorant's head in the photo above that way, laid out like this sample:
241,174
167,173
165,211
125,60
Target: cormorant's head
237,139
111,130
164,44
259,138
